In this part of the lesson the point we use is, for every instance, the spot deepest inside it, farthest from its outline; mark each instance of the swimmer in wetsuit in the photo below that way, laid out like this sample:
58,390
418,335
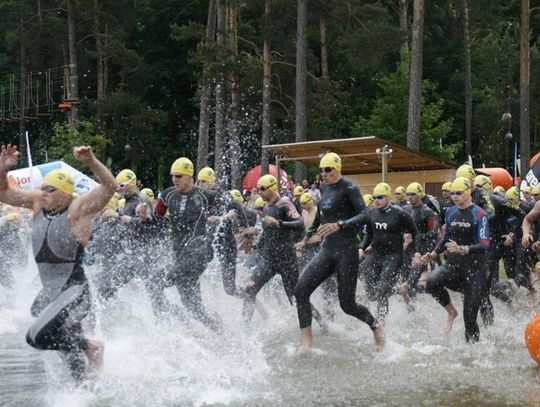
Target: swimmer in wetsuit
386,226
467,241
338,221
61,228
189,207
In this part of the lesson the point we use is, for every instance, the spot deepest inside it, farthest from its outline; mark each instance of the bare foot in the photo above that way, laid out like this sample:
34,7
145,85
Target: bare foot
304,350
94,353
380,338
452,314
404,291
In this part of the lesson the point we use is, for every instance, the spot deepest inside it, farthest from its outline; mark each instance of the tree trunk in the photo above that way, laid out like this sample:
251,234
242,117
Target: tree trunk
468,80
301,82
267,90
235,149
22,107
415,90
206,92
324,49
220,158
524,88
404,21
73,90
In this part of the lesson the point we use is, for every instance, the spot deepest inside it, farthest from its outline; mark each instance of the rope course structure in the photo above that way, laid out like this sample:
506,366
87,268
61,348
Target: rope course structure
34,95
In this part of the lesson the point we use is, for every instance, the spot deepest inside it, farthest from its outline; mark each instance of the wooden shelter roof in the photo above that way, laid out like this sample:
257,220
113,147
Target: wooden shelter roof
358,155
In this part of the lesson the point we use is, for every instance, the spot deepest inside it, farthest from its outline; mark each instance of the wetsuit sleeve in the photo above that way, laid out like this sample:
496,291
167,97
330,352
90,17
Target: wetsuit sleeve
368,236
482,240
355,198
432,225
160,208
293,224
441,244
408,224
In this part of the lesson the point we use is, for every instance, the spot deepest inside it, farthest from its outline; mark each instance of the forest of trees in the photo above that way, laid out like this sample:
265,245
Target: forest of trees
147,81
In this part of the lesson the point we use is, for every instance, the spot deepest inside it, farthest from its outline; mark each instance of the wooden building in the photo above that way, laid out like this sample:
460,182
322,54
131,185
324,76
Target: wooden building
362,161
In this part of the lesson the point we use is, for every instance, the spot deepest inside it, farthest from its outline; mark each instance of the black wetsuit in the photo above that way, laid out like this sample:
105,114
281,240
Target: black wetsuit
341,201
188,217
445,204
385,230
65,298
427,223
221,238
503,222
277,253
467,227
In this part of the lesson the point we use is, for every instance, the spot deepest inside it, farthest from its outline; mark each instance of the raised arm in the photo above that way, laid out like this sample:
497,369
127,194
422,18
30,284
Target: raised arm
11,195
95,200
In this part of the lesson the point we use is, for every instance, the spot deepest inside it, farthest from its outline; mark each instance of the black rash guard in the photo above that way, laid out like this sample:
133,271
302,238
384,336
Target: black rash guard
385,229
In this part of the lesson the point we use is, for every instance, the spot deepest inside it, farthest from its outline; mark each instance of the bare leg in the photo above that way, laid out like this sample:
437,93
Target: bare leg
95,352
404,291
452,314
379,337
307,341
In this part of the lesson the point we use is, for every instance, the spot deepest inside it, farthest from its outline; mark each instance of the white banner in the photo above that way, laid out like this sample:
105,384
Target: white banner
27,178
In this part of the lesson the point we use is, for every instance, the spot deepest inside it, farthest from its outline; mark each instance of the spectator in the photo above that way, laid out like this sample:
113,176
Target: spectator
315,193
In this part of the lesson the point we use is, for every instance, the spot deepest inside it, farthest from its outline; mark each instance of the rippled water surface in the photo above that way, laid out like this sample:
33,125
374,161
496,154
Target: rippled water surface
176,361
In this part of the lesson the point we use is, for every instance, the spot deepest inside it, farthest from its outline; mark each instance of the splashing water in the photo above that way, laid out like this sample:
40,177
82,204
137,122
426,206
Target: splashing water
177,361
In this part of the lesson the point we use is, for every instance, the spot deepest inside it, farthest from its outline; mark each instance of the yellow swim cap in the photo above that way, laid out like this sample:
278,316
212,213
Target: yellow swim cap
147,192
484,182
368,199
61,180
462,184
298,191
182,166
513,193
121,203
382,189
113,202
127,177
236,195
306,198
466,171
400,190
446,186
415,188
527,189
534,190
268,182
259,203
207,174
331,160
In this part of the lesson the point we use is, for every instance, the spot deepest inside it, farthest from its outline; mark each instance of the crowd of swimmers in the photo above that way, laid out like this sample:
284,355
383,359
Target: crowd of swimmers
394,241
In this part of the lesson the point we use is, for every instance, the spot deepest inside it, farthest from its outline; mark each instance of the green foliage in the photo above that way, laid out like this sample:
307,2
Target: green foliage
389,117
64,138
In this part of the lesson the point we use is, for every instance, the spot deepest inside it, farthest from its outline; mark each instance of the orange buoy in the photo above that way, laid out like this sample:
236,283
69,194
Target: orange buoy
499,176
64,106
532,338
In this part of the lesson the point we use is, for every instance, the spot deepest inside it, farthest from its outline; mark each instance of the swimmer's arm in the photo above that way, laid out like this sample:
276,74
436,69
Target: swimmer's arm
528,221
410,226
293,224
95,200
356,200
18,197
